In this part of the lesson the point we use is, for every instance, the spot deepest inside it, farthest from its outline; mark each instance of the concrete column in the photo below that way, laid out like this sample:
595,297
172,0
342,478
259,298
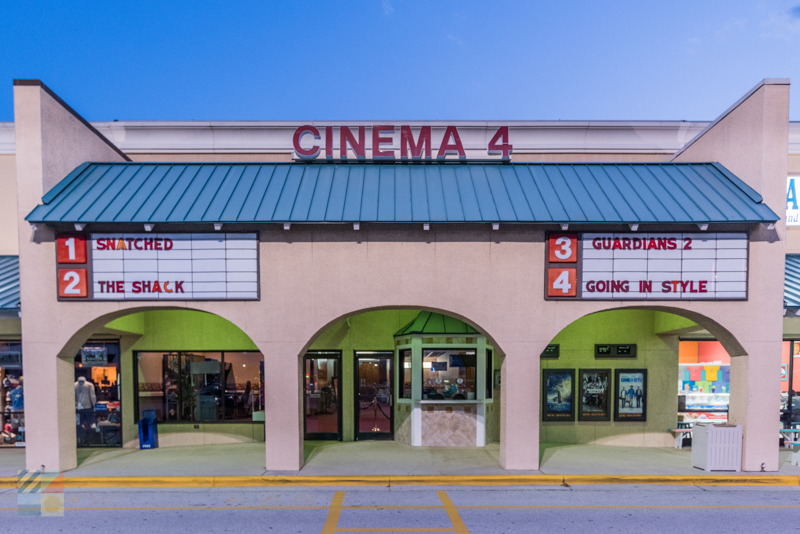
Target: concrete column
755,391
283,408
51,141
519,407
51,440
127,371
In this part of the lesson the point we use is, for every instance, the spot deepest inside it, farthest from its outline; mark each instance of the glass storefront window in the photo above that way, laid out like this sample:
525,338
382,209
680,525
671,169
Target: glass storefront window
199,386
242,385
448,374
404,374
12,399
489,374
98,407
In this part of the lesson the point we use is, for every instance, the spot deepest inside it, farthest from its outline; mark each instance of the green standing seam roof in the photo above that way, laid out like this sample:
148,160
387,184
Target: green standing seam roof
436,323
9,283
791,283
545,193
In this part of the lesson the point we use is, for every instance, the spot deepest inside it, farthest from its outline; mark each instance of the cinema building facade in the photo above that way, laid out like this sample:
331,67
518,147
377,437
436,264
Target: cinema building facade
464,284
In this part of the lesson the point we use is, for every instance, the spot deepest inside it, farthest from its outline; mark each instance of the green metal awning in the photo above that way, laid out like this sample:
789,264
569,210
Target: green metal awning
531,193
791,282
436,323
9,283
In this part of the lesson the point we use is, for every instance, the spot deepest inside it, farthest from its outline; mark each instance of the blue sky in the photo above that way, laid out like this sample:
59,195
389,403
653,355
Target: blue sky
399,59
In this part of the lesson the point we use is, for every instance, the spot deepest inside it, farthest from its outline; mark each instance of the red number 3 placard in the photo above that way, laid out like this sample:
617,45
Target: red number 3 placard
562,248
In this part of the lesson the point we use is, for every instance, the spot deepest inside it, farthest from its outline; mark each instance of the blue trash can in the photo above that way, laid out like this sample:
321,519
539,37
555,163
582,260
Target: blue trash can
148,430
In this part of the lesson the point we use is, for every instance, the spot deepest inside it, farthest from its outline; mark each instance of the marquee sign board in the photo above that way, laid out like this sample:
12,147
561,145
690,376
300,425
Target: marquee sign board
158,266
707,266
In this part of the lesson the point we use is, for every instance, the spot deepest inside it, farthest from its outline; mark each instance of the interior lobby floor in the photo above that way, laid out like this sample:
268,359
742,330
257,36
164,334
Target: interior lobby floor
331,458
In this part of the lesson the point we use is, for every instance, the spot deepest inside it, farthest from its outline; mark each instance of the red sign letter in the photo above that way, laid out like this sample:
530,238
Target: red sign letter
377,153
407,140
346,136
451,148
303,153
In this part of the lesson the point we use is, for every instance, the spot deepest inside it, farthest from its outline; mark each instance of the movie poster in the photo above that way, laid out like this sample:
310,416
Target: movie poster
631,395
595,385
558,392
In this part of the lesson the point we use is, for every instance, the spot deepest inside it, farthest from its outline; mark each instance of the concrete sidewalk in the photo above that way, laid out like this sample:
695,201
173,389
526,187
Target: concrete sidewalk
369,458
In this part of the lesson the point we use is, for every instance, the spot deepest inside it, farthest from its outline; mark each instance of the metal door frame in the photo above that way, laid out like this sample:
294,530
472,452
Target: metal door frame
372,436
324,355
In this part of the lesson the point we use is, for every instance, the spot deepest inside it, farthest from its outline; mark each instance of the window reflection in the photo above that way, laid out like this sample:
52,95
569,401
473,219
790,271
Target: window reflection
448,374
200,386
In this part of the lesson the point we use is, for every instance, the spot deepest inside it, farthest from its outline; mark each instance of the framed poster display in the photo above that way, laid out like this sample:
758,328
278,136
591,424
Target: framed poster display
630,403
594,401
558,395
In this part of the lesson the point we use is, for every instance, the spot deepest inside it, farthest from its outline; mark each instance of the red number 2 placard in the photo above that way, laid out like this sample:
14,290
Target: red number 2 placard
72,283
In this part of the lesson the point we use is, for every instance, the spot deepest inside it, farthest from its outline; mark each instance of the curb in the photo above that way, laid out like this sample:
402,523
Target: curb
388,481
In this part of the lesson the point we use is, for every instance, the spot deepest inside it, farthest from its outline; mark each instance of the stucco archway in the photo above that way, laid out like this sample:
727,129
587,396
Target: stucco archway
199,329
601,412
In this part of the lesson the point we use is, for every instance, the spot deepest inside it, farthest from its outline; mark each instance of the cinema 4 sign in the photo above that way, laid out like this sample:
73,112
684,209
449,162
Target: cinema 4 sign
646,266
157,266
391,142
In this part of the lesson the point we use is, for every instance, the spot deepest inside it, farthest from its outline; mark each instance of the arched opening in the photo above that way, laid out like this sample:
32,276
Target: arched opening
618,383
196,374
381,386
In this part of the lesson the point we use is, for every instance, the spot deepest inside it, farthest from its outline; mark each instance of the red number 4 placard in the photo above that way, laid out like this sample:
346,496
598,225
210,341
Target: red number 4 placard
561,282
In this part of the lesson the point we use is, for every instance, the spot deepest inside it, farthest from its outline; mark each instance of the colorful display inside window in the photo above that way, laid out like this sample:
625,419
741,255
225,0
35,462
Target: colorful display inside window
704,382
98,411
12,398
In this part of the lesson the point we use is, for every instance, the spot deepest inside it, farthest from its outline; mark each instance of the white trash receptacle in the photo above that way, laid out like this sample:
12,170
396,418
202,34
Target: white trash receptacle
717,447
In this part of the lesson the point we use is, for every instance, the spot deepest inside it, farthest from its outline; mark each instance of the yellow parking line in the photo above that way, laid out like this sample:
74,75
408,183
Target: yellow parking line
388,481
482,507
396,530
626,507
333,515
452,513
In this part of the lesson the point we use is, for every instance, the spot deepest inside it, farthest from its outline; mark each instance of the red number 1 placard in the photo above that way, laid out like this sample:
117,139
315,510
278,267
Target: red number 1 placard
71,249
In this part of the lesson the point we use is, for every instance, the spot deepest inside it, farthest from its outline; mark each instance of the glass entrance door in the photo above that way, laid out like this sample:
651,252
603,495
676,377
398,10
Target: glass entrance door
322,403
374,416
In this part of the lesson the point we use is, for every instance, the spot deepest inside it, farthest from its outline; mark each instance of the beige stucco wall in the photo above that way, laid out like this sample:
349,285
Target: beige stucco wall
9,244
209,158
321,274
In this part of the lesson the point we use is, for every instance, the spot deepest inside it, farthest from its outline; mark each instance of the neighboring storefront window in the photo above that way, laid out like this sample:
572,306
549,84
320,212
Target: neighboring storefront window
12,398
200,386
448,374
97,395
489,374
404,374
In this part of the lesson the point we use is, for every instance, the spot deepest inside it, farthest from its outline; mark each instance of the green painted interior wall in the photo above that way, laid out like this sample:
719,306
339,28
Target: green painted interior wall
177,330
656,353
668,322
366,331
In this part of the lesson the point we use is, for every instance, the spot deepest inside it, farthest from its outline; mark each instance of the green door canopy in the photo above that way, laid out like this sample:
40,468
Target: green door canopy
528,193
436,323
